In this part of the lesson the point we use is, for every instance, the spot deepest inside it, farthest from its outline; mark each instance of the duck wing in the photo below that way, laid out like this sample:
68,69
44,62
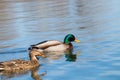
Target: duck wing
45,44
8,65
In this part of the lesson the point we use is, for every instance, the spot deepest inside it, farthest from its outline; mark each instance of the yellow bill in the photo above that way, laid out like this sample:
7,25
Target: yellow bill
76,40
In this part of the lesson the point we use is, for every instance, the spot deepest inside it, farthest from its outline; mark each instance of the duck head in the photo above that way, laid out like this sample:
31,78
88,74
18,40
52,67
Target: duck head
70,38
36,52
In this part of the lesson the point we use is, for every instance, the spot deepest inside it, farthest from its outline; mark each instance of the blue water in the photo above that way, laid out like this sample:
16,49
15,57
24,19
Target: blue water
96,23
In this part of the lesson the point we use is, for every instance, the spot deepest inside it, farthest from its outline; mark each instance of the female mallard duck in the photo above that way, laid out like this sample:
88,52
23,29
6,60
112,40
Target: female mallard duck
52,45
16,65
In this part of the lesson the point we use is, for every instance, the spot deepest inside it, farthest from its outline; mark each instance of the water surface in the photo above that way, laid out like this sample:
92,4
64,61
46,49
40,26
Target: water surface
95,22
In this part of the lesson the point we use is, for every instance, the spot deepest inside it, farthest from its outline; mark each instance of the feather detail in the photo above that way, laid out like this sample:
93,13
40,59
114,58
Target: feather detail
46,44
53,45
14,65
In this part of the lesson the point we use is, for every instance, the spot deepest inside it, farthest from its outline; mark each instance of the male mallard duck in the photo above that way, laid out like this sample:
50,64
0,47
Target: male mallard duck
53,45
16,65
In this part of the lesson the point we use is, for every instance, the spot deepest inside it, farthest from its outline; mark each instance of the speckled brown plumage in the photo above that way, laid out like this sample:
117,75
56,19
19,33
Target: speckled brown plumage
14,65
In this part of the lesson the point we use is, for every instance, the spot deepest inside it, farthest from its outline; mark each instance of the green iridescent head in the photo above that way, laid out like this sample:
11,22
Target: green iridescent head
70,38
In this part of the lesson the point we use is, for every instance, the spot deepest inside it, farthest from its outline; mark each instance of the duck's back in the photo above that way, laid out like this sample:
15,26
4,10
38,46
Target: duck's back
46,44
14,65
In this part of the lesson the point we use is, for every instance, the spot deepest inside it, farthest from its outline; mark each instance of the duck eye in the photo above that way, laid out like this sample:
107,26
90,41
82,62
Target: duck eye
71,39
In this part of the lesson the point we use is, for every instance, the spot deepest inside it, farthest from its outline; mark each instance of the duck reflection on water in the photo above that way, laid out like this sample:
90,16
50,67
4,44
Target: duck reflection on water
56,55
4,75
35,75
70,56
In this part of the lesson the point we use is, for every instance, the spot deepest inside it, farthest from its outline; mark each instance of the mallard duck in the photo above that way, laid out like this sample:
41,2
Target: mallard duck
16,65
53,45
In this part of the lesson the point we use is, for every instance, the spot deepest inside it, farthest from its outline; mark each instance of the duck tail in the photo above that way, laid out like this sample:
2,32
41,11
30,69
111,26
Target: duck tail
2,67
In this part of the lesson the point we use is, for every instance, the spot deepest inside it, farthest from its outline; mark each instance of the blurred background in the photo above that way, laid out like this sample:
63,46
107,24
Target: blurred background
95,22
